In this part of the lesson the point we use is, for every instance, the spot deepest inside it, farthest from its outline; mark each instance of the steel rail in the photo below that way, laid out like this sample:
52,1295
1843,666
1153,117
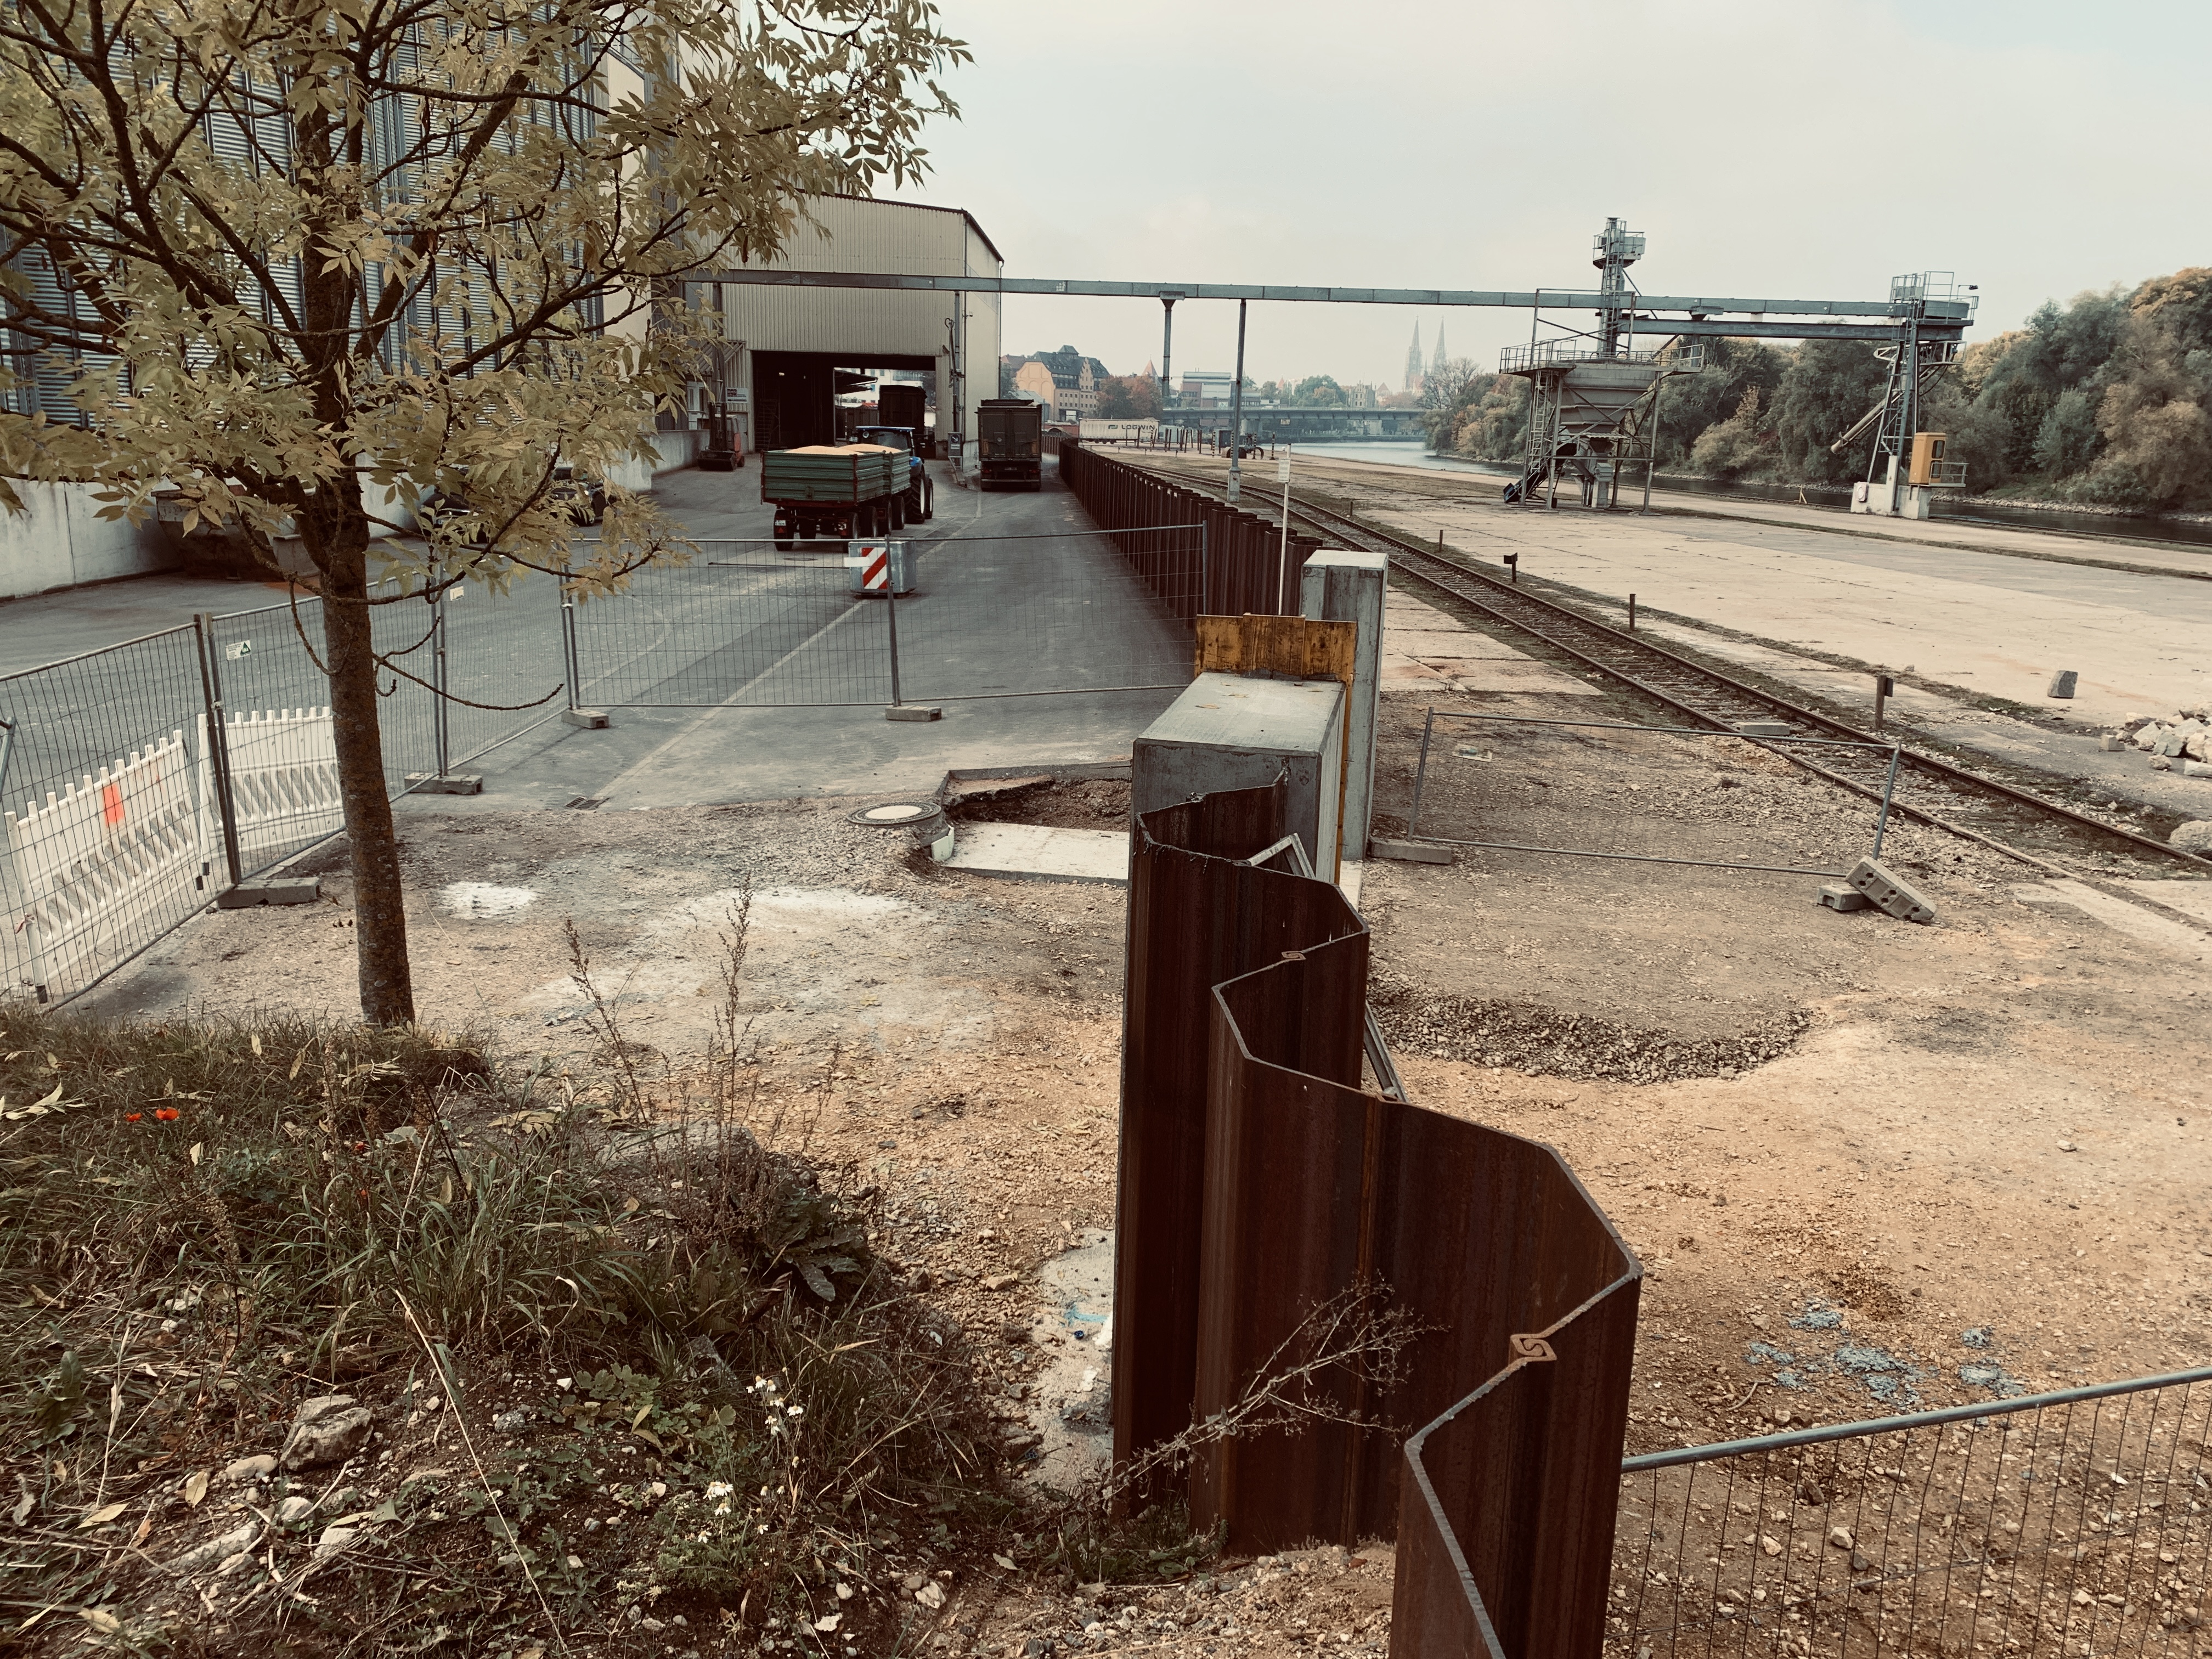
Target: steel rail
1412,558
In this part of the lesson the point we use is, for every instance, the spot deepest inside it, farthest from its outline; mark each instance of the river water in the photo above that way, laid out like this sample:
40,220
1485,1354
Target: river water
2096,525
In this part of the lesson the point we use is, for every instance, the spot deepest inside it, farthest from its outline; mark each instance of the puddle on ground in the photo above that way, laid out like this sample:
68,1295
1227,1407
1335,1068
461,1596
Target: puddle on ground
480,901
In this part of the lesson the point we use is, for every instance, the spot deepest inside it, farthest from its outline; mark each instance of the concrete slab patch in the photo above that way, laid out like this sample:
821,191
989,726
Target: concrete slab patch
1073,1329
2192,898
484,901
1041,854
2145,926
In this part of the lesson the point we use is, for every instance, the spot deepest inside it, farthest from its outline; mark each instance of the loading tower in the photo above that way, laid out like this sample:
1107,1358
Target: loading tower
1594,393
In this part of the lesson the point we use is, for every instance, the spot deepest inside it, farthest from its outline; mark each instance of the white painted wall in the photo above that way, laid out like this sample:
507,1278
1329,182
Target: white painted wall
858,234
60,541
674,450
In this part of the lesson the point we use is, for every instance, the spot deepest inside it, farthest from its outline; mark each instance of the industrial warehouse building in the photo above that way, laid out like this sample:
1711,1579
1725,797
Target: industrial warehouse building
778,377
789,346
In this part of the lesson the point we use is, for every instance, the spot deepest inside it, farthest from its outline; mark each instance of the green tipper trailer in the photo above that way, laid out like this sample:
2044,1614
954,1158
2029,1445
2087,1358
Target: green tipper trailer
839,490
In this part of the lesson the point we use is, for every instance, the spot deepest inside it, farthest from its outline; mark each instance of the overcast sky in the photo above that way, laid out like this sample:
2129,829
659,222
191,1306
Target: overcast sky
1793,147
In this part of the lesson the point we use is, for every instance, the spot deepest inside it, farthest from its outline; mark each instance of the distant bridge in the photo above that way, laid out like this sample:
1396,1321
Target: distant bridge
1306,421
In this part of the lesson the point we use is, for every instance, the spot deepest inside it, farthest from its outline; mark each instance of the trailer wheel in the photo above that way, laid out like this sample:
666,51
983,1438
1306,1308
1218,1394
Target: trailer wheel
896,504
928,501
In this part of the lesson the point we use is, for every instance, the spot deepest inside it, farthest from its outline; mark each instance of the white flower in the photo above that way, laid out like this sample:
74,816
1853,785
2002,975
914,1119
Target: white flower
721,1489
794,1411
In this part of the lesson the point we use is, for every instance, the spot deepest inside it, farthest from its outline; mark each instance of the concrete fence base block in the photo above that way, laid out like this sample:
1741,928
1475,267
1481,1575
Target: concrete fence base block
2061,683
1890,894
1765,728
590,720
2112,745
1409,851
913,711
445,783
269,889
1845,898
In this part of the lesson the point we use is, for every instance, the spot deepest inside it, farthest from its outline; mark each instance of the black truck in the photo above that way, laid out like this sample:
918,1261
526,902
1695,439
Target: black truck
1009,440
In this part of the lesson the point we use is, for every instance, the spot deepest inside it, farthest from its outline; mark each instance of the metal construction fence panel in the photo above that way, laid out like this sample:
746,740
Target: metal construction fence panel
743,625
106,867
1490,781
1249,565
124,812
740,626
1260,1185
2071,1524
1024,615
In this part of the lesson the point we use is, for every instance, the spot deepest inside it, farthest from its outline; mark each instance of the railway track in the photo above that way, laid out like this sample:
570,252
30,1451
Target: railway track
1930,789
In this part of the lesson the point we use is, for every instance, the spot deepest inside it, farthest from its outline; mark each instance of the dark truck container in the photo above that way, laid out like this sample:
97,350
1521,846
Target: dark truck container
900,405
841,490
1010,439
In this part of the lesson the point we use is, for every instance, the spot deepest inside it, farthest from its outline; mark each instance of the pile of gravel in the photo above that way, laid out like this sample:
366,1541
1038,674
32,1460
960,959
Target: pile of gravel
1542,1042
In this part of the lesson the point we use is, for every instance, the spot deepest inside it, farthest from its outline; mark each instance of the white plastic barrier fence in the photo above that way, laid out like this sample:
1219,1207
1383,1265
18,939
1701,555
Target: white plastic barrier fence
107,867
283,781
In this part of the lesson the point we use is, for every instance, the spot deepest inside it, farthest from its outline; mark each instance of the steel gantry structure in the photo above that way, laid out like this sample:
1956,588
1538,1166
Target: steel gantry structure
1919,326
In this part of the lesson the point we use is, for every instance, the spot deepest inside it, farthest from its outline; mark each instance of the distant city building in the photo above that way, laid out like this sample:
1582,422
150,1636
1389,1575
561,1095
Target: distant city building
1413,362
1206,388
1065,381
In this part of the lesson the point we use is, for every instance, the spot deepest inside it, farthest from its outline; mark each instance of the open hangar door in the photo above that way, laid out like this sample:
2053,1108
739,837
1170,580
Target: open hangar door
794,393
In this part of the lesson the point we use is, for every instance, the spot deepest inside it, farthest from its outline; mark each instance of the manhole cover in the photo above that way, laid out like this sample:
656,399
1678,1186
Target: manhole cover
894,814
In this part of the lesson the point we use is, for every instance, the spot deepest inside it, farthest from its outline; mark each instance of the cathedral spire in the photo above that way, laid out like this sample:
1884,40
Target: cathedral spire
1436,364
1413,362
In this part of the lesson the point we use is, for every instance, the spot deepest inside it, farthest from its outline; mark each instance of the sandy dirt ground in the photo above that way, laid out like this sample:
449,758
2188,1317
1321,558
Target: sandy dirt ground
1817,1130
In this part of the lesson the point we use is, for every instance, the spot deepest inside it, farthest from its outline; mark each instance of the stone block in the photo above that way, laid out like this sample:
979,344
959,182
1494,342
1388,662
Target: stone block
445,783
2190,769
1409,851
2061,683
589,720
913,711
1845,898
1890,894
269,889
2111,745
1765,728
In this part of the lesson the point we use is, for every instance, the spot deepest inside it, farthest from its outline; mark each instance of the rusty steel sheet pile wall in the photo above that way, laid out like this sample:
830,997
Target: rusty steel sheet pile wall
1260,1181
1247,566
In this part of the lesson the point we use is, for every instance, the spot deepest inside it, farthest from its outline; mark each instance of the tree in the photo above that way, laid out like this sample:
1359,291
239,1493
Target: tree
1732,445
1827,385
309,260
1690,404
1443,390
1129,398
1318,391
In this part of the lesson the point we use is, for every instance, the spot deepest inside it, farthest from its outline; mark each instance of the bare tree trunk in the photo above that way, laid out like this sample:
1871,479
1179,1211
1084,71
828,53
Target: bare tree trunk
387,992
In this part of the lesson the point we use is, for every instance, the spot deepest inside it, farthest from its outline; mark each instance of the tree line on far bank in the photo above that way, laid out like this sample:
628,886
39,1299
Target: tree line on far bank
2105,402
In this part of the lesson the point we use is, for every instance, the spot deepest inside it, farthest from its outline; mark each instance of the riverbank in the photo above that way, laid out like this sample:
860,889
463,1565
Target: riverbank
2022,513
